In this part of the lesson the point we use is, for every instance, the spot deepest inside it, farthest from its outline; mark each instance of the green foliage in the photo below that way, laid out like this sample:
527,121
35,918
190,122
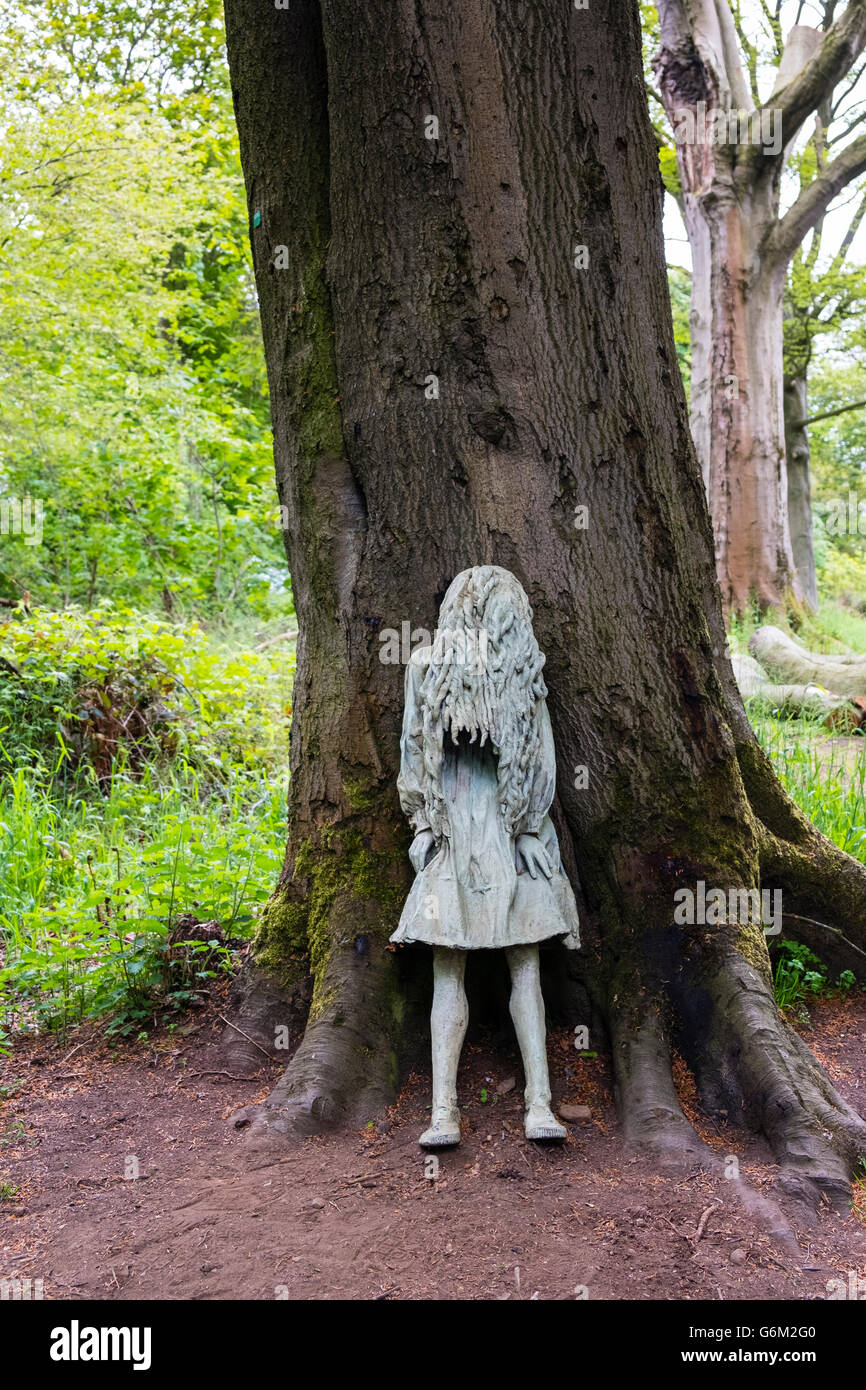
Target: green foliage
838,444
142,784
798,974
133,399
91,690
101,854
680,287
168,52
670,170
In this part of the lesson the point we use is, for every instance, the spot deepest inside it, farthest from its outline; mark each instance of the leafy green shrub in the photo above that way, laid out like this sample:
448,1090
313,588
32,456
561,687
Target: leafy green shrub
96,689
798,973
93,887
105,844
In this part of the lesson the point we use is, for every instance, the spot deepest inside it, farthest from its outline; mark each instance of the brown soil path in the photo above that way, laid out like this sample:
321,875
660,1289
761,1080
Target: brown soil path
356,1216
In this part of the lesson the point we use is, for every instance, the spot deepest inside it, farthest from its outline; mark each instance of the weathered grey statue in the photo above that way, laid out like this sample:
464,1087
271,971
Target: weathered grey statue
477,779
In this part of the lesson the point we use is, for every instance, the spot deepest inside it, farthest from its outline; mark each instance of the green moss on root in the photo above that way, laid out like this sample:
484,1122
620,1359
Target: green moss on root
752,945
280,945
338,870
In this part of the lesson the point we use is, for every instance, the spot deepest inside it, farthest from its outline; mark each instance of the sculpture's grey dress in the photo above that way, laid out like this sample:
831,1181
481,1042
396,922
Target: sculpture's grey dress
474,892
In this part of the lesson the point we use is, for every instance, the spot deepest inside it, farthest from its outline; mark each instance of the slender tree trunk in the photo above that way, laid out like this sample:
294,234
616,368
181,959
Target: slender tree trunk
737,410
799,490
454,382
730,156
731,203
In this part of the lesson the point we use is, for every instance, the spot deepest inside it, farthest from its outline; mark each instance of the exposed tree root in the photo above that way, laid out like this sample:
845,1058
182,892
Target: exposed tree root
652,1118
750,1063
261,1009
346,1067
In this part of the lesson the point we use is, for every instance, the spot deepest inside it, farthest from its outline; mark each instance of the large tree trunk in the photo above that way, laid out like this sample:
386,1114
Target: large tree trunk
558,390
730,156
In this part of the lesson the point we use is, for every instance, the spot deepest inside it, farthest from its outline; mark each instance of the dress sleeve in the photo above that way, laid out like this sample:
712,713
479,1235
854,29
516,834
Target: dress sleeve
410,783
544,782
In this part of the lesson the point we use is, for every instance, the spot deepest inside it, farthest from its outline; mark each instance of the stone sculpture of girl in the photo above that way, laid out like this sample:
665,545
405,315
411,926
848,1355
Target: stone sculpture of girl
477,780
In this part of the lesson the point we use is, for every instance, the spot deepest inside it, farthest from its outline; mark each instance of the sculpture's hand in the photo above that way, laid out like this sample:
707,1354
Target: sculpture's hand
420,849
534,855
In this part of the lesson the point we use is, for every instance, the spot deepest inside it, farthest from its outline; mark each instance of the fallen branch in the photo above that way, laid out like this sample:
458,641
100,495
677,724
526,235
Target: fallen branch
229,1074
704,1219
247,1036
754,684
280,637
845,675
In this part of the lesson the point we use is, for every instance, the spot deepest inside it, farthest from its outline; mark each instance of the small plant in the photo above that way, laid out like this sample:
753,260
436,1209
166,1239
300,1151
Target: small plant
799,973
8,1191
859,1192
12,1134
108,849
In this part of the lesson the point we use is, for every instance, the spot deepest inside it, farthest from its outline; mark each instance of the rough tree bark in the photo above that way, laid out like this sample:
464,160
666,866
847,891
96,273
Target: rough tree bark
740,253
409,257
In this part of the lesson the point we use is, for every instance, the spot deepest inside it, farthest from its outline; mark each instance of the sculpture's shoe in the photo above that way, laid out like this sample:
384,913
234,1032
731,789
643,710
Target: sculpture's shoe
444,1132
540,1124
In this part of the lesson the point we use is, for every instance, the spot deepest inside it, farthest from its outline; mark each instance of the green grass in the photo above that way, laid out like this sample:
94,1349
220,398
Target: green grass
93,887
97,868
833,628
825,776
827,779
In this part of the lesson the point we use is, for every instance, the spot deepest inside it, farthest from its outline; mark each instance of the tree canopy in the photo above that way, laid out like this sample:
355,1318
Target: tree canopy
134,401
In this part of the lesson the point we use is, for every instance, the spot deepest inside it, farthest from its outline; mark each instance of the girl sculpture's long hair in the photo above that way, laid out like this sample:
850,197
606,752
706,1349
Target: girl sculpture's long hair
484,679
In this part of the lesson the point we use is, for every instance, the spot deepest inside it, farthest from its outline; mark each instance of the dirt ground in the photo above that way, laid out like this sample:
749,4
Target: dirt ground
357,1216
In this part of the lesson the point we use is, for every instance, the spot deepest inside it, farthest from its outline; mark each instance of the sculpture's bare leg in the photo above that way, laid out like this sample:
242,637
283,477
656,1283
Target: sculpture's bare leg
527,1013
448,1020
